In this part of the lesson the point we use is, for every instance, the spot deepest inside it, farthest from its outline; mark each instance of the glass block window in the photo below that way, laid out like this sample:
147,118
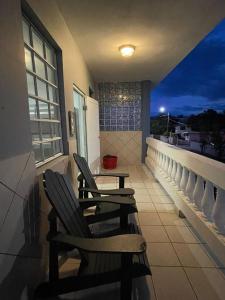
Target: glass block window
43,99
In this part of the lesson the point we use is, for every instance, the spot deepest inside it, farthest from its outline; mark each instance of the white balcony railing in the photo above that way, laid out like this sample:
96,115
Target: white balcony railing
197,186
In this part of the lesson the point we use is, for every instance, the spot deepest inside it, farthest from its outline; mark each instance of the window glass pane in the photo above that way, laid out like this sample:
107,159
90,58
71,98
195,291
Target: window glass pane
43,115
35,131
33,108
43,110
51,75
39,67
54,112
50,56
26,34
37,152
45,130
48,149
56,132
41,89
57,146
37,44
30,84
28,59
52,92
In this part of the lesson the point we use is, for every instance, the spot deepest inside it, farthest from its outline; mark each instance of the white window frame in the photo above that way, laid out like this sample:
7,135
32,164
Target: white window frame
55,142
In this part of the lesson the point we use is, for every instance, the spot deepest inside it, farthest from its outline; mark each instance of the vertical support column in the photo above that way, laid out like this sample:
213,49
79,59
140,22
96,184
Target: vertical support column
145,115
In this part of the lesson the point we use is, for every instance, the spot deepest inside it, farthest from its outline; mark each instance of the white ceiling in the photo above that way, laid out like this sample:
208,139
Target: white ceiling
163,31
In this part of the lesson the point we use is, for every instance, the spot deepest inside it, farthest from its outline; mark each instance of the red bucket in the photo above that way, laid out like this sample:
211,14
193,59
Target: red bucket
109,162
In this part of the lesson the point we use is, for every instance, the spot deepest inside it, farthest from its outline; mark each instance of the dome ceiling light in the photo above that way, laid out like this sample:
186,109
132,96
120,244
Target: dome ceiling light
127,50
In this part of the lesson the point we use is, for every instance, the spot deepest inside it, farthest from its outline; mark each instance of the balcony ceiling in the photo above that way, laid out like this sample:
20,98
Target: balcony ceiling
163,31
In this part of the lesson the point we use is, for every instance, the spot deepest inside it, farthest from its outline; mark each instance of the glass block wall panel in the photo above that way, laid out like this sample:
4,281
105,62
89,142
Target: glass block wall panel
42,85
120,106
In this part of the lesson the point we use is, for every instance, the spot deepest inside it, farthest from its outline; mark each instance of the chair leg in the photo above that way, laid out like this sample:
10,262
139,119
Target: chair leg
126,280
123,221
126,289
53,262
121,182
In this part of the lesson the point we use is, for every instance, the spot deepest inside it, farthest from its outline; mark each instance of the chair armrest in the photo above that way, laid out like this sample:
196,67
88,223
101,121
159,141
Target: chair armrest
111,174
80,177
118,192
126,243
108,199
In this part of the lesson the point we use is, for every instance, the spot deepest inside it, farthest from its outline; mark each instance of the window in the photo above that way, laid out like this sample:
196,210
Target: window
43,99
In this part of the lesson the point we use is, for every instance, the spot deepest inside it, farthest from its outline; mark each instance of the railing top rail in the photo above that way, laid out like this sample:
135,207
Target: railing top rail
208,168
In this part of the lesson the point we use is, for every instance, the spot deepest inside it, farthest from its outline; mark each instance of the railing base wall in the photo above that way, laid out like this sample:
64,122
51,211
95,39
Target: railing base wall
205,229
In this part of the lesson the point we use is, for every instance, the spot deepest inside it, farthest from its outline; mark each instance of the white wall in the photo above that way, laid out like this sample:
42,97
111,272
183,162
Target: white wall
23,214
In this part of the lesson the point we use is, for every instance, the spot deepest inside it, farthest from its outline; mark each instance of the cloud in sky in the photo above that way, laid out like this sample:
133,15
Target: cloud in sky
198,81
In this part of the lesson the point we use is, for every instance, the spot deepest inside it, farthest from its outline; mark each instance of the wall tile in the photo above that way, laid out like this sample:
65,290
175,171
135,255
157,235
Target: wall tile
6,197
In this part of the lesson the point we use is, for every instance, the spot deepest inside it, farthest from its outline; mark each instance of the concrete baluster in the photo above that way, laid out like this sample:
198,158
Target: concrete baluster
170,167
167,164
184,179
178,174
160,158
208,200
198,192
218,214
164,163
190,186
174,170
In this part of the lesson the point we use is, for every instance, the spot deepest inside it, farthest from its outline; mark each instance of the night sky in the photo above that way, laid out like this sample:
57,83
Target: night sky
198,82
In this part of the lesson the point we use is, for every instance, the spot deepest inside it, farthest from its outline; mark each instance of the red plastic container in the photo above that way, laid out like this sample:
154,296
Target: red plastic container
109,162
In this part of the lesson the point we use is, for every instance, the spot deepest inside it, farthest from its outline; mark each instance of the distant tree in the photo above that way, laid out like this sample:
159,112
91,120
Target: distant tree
158,125
207,121
218,141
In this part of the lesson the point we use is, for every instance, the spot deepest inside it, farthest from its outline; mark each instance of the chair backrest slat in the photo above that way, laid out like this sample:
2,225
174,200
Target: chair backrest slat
62,197
85,170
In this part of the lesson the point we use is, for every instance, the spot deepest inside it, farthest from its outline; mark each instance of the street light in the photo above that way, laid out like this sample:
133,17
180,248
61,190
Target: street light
162,109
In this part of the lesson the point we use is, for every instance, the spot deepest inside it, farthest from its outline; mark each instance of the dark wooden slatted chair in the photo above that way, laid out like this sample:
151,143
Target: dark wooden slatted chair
103,260
87,185
91,185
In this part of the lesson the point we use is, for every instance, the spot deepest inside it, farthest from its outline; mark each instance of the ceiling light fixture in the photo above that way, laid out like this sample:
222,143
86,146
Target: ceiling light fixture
127,50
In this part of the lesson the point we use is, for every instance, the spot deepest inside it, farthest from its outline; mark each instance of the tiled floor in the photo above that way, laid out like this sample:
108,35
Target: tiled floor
182,269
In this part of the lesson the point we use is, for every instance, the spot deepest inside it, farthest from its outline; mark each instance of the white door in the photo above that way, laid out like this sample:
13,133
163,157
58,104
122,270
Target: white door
93,134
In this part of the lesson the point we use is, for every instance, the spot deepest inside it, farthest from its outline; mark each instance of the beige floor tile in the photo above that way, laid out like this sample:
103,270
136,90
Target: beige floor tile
70,266
208,283
141,195
161,199
181,234
155,234
162,254
165,207
171,219
171,283
149,218
193,255
146,207
138,185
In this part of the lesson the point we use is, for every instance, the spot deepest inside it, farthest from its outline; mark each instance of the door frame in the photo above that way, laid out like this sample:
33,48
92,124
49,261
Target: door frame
79,91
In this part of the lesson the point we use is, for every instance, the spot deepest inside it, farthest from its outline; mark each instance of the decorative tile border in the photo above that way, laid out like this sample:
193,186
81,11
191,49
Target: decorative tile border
120,106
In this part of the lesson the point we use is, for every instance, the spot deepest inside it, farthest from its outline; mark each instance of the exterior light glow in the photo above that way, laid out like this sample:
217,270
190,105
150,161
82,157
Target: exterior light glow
127,50
162,109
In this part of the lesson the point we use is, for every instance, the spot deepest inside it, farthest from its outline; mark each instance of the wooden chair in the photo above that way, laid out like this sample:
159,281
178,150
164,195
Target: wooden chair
91,185
87,185
103,260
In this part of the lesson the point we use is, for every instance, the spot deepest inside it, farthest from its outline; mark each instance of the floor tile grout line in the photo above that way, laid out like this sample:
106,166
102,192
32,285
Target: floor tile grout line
183,269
